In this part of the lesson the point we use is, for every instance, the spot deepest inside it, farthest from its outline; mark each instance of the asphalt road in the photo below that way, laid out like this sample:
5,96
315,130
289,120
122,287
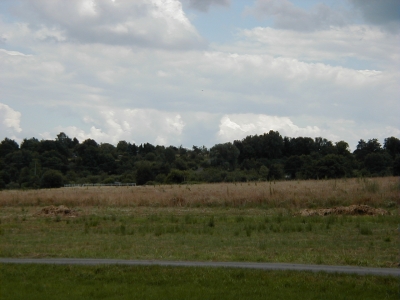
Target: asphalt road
246,265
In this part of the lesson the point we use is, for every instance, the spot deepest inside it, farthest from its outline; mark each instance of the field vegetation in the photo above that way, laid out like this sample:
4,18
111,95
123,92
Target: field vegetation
123,282
291,195
216,222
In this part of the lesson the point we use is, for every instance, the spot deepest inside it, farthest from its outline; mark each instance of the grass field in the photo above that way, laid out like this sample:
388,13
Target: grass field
108,224
123,282
215,234
377,192
214,222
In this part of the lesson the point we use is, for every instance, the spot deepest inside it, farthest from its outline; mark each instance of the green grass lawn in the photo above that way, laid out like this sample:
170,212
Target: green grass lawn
154,282
205,234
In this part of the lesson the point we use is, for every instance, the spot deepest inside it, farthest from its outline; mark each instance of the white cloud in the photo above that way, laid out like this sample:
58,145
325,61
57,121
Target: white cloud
367,44
238,126
134,125
147,23
288,16
204,5
9,122
384,13
13,53
80,66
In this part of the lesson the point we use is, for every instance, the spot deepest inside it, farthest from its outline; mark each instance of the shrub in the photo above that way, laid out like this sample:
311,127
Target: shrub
51,179
175,176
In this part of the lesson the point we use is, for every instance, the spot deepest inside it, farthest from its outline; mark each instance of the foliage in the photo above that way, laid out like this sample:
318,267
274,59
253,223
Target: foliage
51,179
259,157
144,173
157,282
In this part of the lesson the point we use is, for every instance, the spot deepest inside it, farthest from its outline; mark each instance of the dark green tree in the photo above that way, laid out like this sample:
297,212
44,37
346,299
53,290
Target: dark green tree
331,166
378,164
365,148
293,165
392,146
144,173
224,155
8,146
51,179
175,176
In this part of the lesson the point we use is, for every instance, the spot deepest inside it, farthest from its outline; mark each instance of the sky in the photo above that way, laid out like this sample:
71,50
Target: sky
199,72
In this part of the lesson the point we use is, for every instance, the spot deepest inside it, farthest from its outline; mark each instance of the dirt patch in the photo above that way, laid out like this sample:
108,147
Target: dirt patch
353,210
56,211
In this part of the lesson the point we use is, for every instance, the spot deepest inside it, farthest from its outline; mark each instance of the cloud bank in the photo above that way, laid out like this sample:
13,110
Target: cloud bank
140,71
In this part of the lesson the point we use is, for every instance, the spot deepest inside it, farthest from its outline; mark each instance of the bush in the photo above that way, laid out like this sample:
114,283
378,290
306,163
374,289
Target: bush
52,179
144,174
13,186
175,176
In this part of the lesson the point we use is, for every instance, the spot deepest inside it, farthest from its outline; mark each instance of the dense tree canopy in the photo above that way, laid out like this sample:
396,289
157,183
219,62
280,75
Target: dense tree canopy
51,163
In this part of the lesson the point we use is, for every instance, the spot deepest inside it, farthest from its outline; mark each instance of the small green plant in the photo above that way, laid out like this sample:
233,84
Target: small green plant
262,245
158,230
371,186
365,230
239,219
173,219
211,222
153,218
190,219
248,231
122,229
279,218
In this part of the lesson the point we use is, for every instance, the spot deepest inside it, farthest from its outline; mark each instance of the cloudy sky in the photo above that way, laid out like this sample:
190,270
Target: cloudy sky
199,72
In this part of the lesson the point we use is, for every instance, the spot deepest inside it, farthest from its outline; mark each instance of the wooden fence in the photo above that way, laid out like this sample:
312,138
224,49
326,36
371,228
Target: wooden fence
100,184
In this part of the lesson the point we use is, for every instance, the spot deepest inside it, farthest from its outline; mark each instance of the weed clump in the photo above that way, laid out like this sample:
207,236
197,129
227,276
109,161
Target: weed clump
365,230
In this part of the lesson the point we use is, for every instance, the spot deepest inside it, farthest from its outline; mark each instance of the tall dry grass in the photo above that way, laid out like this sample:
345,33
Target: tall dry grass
376,192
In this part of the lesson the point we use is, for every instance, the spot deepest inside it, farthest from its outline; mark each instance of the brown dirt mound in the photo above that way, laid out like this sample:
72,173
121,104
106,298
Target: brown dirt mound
54,210
345,210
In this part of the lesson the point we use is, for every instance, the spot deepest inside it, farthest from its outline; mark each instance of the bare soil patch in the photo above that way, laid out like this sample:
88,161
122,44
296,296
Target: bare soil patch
353,210
57,211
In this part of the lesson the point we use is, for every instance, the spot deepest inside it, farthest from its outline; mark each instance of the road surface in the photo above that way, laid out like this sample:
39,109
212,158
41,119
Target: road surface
246,265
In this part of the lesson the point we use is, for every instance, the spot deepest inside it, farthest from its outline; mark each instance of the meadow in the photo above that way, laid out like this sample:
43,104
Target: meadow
124,282
255,221
218,222
291,195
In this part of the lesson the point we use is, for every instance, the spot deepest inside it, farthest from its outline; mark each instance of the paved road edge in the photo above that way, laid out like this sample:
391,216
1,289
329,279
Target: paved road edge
247,265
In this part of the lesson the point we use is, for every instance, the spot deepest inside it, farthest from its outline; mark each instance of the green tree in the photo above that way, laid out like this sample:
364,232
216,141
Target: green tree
392,146
293,165
224,155
8,146
396,165
175,176
144,173
264,172
51,179
378,164
276,172
331,166
342,148
365,148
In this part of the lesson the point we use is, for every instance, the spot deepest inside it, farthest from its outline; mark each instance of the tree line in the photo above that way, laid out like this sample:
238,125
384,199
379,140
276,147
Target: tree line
52,163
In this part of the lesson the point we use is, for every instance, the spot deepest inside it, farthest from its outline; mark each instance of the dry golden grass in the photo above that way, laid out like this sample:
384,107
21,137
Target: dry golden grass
376,192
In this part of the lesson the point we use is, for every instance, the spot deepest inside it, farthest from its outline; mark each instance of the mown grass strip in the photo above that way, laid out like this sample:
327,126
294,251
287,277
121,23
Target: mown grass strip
212,234
156,282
